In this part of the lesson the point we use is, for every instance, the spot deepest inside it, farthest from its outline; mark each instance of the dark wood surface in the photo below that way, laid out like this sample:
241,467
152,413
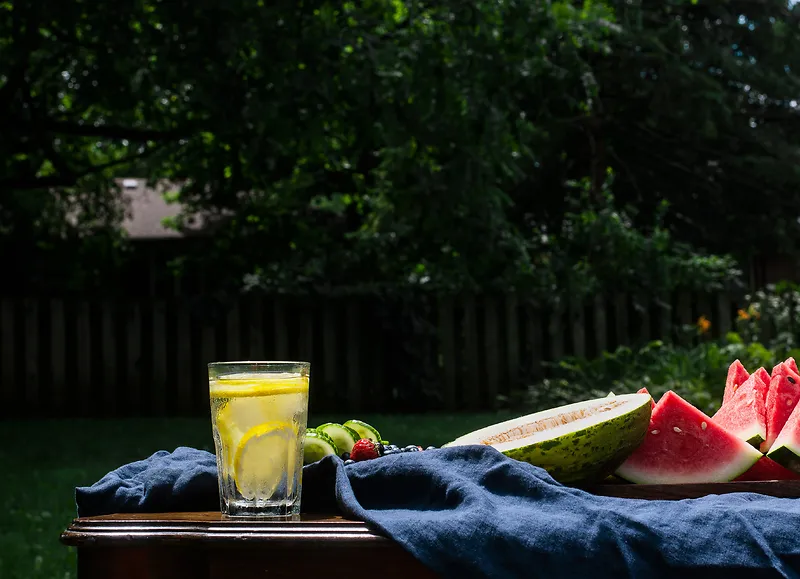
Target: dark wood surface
210,546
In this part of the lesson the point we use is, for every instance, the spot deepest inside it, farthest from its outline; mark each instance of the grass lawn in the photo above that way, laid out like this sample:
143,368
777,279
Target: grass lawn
43,461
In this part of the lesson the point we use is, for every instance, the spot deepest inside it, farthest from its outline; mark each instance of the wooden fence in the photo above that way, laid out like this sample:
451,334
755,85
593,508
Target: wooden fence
83,357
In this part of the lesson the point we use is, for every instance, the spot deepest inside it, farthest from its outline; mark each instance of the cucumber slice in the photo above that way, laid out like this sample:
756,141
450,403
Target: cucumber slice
344,436
317,446
364,430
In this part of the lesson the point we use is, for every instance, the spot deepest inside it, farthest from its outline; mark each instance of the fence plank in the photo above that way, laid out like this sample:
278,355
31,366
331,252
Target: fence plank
208,346
58,358
256,330
724,322
621,319
447,352
31,380
600,328
665,317
280,331
578,321
353,357
7,350
472,395
534,345
512,342
232,342
83,353
555,333
491,350
159,385
183,359
643,316
328,385
108,347
133,365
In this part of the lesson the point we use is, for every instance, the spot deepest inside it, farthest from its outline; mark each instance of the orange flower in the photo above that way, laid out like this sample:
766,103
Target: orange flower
703,324
743,315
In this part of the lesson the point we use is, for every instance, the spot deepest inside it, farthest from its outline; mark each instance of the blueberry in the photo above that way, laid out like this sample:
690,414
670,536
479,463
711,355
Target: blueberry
348,461
412,448
431,448
381,449
389,452
345,456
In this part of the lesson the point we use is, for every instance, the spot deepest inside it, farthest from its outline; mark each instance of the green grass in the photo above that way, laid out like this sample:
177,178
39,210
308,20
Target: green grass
43,461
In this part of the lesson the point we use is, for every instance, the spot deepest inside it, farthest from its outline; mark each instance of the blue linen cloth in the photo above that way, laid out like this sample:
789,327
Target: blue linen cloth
472,512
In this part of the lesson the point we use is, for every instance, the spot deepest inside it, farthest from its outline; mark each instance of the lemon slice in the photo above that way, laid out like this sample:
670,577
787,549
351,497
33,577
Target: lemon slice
244,385
263,458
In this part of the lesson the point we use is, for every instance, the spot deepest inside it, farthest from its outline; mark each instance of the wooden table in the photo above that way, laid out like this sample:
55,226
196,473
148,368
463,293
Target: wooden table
206,546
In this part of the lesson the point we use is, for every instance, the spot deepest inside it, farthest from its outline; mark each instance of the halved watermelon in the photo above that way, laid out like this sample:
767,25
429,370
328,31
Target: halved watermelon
683,445
767,469
644,391
736,377
786,448
782,397
743,414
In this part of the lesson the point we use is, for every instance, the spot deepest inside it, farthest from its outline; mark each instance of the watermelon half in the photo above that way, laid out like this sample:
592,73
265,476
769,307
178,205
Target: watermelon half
744,414
767,469
683,445
786,448
736,377
782,397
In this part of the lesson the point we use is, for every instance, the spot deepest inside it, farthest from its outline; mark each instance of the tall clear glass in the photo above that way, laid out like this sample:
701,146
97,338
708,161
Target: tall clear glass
259,412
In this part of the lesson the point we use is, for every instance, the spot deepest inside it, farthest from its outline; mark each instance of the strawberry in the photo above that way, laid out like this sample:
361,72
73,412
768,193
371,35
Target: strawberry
364,449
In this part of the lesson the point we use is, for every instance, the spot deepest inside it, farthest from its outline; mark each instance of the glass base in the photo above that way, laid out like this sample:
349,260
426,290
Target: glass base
262,509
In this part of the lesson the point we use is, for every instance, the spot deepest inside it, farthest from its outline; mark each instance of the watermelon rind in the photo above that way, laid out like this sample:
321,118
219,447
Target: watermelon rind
580,442
786,454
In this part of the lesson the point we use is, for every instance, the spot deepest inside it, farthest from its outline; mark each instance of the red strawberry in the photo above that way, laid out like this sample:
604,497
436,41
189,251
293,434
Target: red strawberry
364,449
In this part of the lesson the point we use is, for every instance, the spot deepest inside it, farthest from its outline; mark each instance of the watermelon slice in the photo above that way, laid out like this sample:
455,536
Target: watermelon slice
765,376
644,391
792,365
743,415
683,445
767,469
786,448
782,397
736,377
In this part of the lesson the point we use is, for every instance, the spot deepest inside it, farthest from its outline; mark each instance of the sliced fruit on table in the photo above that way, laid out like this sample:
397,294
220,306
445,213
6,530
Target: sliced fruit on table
765,376
317,446
782,398
579,442
364,449
744,413
364,430
767,469
790,362
344,436
683,445
263,458
786,448
736,377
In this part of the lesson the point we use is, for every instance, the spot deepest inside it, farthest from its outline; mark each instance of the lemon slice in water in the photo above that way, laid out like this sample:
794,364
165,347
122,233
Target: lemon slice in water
263,458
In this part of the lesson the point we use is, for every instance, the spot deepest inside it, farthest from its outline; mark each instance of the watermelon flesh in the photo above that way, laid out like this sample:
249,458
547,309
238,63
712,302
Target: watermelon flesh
782,398
744,413
644,391
736,377
790,362
767,469
765,376
683,445
786,448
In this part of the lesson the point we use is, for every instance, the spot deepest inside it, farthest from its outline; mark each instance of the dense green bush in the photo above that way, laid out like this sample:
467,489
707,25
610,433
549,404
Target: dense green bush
766,333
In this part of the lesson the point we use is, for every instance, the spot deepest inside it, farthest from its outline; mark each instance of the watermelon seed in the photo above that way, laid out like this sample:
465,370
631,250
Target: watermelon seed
676,429
654,432
703,425
789,402
792,380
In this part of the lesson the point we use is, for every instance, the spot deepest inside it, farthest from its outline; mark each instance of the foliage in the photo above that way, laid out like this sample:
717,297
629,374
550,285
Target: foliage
420,142
696,371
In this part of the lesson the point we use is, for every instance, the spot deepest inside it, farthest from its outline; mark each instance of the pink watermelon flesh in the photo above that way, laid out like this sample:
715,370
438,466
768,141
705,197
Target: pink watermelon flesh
683,445
765,376
644,391
743,415
786,448
792,365
736,377
782,397
767,469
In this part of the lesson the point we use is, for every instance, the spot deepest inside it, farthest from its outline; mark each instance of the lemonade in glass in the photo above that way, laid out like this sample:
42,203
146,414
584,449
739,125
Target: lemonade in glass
259,412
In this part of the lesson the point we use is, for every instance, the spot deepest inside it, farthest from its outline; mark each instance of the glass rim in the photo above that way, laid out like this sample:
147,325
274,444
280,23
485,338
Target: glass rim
259,363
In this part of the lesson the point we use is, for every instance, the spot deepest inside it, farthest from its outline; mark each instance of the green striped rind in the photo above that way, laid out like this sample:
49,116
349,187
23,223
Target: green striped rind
317,446
344,436
364,430
591,453
786,456
724,473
